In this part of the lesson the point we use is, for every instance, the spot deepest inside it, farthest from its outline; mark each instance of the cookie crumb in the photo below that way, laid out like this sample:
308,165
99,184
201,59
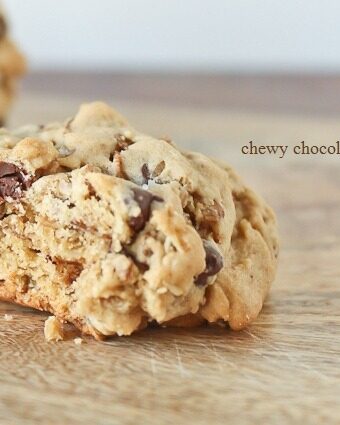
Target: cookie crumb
78,341
53,330
8,317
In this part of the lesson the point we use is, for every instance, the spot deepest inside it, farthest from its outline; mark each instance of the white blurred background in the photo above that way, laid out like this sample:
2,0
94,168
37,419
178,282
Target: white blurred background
179,35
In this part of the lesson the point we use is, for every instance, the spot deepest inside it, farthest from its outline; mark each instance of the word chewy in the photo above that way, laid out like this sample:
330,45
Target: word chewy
252,149
301,148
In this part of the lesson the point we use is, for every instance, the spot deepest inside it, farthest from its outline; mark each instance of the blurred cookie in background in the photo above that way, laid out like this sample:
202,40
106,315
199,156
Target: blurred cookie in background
12,66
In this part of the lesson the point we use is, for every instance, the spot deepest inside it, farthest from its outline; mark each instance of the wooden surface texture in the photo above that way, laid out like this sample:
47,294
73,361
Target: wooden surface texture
285,369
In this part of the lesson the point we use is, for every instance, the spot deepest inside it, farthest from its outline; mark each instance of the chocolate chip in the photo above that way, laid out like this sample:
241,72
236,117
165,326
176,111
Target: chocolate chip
157,198
10,187
6,169
12,181
213,264
142,267
144,200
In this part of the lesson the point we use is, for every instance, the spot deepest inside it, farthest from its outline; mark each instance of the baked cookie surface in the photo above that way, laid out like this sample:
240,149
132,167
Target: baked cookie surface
111,229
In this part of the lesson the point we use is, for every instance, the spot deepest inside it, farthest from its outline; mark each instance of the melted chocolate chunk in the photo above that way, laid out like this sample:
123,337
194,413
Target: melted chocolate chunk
7,169
144,200
12,181
142,267
213,264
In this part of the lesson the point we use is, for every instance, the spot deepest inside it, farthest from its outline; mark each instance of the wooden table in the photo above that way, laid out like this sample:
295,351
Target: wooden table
285,369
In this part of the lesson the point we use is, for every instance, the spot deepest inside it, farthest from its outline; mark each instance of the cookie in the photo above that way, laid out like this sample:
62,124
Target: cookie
12,66
111,229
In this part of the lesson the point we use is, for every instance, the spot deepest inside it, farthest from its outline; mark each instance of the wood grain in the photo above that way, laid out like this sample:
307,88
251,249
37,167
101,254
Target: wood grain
285,369
317,94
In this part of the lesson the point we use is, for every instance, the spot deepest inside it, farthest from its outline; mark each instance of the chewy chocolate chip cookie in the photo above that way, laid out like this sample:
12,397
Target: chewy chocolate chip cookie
110,229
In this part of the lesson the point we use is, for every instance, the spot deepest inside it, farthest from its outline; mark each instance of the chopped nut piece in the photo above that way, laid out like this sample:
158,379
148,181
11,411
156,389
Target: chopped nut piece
159,169
145,173
119,166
